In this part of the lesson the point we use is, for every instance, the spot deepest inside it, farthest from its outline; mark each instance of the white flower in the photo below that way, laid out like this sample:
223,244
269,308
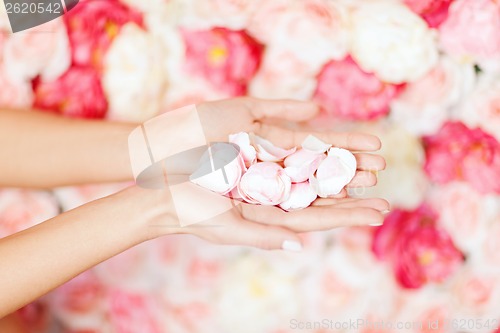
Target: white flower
134,76
43,50
403,183
255,296
482,106
391,41
426,104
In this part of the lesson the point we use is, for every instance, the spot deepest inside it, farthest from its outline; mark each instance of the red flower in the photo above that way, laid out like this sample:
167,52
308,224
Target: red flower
77,93
457,152
228,59
92,25
345,90
417,249
434,12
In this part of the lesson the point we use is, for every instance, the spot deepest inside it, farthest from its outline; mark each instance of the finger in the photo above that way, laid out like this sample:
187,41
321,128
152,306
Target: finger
370,162
363,179
379,204
288,138
283,108
231,229
313,218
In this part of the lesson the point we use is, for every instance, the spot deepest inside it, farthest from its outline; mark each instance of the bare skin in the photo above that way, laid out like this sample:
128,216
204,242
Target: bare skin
45,151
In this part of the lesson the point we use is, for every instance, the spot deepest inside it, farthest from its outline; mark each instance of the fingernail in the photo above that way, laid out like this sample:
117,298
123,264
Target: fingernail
385,212
293,246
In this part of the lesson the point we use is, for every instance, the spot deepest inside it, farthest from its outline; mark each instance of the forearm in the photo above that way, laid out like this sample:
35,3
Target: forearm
44,150
45,256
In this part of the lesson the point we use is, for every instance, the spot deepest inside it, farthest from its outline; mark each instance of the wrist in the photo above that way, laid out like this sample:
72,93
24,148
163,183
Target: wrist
150,212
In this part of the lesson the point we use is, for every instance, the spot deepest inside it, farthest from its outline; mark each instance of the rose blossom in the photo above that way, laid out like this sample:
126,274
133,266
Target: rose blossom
457,152
301,196
345,90
391,41
134,76
434,12
424,105
334,172
77,93
92,26
43,50
265,183
314,31
226,58
472,30
418,251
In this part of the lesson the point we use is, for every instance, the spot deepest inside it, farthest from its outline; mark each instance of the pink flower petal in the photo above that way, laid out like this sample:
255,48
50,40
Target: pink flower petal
267,152
265,183
248,152
302,164
334,172
301,196
221,180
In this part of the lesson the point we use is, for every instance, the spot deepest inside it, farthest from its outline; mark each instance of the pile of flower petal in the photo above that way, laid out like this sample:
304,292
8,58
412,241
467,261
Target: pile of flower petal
292,179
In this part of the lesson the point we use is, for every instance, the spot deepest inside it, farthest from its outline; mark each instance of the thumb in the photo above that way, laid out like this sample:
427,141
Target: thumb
287,109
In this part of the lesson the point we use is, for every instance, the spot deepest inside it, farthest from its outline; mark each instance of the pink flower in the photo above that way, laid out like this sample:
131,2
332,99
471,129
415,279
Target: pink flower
78,93
92,25
302,164
226,58
265,183
334,172
427,255
313,31
267,152
82,294
301,196
457,152
417,249
434,12
21,209
472,29
130,313
344,90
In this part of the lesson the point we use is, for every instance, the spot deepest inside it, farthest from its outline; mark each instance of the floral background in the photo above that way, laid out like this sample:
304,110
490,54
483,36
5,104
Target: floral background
424,75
